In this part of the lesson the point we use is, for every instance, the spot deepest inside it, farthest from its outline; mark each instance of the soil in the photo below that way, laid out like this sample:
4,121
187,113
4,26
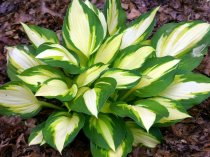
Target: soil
189,138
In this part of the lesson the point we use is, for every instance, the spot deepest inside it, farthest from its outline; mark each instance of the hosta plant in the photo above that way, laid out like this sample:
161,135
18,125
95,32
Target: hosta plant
106,79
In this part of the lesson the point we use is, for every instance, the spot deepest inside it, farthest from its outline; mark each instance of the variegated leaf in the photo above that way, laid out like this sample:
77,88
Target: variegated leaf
91,74
106,131
157,74
139,30
141,137
108,50
122,151
144,112
57,88
99,14
61,128
189,89
36,76
36,136
125,79
39,35
133,57
83,32
115,16
92,100
16,98
175,109
20,58
178,39
57,56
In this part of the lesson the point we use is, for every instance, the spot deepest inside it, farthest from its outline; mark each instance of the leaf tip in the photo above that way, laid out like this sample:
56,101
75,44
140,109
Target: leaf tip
156,9
23,25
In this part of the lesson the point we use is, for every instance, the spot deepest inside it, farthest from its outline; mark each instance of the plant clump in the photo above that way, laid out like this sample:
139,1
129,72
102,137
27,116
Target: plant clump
109,80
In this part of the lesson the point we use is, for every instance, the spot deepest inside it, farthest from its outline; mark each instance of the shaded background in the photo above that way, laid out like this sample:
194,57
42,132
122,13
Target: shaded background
190,138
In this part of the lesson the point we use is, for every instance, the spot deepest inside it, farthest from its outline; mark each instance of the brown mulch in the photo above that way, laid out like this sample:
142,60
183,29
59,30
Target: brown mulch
189,138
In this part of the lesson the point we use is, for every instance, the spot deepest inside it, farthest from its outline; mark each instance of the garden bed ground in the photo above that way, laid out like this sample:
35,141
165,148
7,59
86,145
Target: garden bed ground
190,137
